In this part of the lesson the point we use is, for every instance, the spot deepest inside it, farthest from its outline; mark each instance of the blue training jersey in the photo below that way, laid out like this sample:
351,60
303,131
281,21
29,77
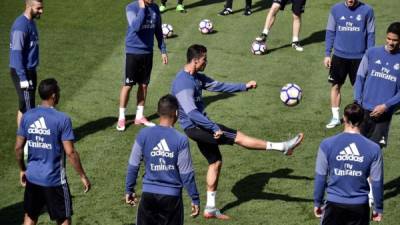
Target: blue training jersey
344,163
168,164
378,79
143,24
350,31
45,129
24,46
188,88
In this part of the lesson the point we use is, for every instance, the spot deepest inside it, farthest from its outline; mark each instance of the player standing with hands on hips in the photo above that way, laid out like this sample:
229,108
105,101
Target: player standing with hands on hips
144,22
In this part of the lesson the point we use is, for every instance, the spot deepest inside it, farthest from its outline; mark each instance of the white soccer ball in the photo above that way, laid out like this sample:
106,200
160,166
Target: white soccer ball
258,48
291,94
206,26
167,30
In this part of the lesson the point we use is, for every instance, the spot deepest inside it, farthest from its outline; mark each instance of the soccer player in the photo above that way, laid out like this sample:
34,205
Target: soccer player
144,22
377,88
350,32
179,6
168,167
343,164
228,8
297,9
24,55
187,87
49,136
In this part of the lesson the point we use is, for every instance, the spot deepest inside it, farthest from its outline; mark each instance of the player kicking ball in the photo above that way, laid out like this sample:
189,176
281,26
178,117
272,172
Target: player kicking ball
187,88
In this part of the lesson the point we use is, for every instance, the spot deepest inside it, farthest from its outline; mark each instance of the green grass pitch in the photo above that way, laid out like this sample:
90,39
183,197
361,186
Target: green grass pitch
82,46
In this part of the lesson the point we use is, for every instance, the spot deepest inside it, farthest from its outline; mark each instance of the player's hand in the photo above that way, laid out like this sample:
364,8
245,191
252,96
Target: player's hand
377,217
164,57
141,4
327,62
318,212
378,110
131,199
251,84
218,134
86,183
22,178
195,210
24,84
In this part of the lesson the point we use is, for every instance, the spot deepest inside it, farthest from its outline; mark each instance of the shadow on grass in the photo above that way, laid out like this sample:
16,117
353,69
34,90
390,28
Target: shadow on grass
258,6
13,214
392,188
316,37
252,186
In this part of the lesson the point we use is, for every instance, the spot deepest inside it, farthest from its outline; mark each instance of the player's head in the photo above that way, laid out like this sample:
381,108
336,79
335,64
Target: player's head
49,90
353,115
34,8
393,37
197,55
351,3
148,2
168,107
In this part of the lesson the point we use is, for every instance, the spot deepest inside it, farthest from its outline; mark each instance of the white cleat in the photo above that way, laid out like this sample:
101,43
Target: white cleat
333,123
296,45
292,144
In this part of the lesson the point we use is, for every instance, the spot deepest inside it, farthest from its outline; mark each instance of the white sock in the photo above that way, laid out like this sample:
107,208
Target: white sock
265,31
335,112
279,146
211,195
295,39
139,111
121,113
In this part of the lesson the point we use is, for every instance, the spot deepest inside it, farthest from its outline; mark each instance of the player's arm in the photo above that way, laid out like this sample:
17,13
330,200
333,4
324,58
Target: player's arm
376,176
19,154
136,16
321,172
160,40
371,29
212,85
74,159
186,101
16,59
360,79
329,39
132,173
187,176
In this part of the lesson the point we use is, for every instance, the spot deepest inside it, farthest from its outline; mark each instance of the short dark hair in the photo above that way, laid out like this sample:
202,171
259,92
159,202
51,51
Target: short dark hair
394,28
47,88
354,114
167,106
194,52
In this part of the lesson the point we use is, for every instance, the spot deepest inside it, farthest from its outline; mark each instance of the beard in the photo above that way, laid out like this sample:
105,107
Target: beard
35,15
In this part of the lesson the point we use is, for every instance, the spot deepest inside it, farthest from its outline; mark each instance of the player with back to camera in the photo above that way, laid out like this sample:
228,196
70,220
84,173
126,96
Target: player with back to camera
168,167
343,165
49,136
187,87
350,32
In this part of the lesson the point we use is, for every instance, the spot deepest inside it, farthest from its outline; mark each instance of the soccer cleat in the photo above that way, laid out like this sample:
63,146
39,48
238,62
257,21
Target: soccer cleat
296,45
121,125
291,144
262,37
225,12
162,8
180,8
333,123
247,12
214,213
144,121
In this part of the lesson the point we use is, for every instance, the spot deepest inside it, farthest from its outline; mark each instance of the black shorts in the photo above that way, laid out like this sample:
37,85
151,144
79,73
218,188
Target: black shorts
345,214
208,145
297,5
376,129
137,69
341,67
158,209
26,97
56,199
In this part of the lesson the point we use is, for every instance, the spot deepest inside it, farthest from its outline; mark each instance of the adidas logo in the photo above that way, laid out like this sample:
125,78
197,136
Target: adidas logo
342,18
378,62
162,149
350,153
39,127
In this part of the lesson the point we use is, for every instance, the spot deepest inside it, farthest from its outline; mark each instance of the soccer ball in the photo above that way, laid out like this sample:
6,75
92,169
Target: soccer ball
206,26
167,30
258,48
291,94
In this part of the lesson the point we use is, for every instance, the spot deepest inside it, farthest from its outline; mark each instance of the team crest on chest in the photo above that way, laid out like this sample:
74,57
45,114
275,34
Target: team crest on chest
396,66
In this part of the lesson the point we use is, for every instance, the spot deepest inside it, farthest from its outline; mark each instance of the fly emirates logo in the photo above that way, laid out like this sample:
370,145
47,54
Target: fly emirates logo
349,154
39,128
